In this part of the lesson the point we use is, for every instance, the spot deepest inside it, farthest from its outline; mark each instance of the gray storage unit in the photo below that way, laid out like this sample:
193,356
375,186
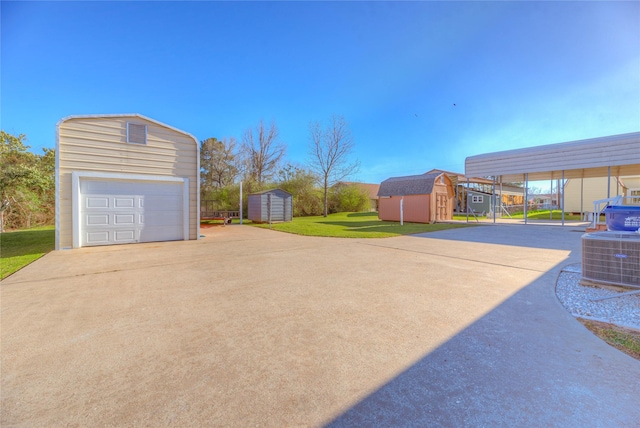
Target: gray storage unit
270,206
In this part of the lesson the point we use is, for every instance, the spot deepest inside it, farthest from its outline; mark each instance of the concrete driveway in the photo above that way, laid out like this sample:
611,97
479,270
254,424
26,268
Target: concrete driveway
251,327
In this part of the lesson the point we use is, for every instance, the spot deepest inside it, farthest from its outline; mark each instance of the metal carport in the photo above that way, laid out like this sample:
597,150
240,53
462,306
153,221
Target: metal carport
616,155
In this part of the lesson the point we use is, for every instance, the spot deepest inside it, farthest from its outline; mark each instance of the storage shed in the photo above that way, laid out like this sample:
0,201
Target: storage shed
269,206
124,178
427,198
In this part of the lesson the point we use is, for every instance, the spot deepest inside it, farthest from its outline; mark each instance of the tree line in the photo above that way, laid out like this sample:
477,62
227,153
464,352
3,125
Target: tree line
258,160
27,180
27,184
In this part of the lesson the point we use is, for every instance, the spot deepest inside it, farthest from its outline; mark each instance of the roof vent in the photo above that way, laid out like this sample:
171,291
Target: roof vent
136,133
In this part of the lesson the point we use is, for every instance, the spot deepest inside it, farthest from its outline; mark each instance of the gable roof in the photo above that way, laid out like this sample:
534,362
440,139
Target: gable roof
456,177
276,190
126,115
409,185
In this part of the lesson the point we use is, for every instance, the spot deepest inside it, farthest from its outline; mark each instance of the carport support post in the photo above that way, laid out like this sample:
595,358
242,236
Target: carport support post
526,196
466,200
501,204
240,201
562,196
551,199
582,197
402,210
493,190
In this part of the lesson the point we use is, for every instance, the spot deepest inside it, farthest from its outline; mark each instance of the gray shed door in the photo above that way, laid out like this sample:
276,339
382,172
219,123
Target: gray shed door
122,212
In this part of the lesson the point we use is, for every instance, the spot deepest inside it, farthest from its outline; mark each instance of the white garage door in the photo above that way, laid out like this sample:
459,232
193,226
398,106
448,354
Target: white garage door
122,212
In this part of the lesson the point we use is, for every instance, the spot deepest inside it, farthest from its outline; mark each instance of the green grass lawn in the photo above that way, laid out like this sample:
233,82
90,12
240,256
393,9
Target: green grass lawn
463,217
544,215
531,215
19,248
354,225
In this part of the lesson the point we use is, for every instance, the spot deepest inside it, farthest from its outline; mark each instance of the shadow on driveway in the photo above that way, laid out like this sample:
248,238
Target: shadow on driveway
532,236
525,363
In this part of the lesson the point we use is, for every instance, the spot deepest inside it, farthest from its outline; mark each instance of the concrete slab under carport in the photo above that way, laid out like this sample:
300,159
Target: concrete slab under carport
255,327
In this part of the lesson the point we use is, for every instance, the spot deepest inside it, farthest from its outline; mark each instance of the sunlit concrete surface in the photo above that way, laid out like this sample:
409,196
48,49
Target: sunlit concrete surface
252,327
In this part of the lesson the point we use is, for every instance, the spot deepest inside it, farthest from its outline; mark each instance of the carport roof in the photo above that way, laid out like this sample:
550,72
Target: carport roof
577,159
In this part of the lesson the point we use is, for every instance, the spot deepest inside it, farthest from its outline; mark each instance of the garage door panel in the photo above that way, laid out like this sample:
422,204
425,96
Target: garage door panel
124,219
168,202
123,236
124,202
167,233
118,212
98,220
97,202
165,218
97,238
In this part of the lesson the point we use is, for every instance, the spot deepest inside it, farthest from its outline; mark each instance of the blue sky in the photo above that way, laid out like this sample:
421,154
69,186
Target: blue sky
519,73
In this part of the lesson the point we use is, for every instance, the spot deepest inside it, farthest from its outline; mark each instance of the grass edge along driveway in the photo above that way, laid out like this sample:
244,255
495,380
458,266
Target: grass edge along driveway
355,225
21,247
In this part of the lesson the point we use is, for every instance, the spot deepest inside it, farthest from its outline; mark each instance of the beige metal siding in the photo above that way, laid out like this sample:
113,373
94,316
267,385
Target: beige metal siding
99,144
595,189
588,158
631,182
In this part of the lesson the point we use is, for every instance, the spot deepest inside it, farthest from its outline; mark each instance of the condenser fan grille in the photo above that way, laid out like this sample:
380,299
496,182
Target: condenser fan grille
612,258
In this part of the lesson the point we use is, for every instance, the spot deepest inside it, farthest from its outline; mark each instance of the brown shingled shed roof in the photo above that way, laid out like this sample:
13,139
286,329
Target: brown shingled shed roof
408,185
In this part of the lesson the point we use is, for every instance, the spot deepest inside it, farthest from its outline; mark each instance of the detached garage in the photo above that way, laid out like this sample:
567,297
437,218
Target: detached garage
124,179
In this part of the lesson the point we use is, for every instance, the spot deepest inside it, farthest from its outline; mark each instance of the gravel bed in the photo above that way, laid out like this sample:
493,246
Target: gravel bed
623,311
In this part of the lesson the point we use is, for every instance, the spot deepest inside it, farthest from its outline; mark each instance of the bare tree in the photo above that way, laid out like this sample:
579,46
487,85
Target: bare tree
262,151
329,152
218,163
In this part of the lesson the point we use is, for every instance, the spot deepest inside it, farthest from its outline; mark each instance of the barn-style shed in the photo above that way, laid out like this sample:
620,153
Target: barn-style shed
124,178
426,198
270,206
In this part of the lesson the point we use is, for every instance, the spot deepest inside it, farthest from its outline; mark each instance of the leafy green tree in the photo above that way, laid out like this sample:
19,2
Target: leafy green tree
307,199
27,183
218,163
349,198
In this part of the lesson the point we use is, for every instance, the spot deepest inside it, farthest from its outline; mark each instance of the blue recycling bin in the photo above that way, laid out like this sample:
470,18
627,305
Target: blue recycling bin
622,217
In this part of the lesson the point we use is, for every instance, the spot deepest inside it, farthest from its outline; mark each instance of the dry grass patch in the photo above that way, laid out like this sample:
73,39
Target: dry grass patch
625,339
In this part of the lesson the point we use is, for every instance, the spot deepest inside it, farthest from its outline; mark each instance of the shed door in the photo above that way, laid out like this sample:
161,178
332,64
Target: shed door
122,212
442,202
